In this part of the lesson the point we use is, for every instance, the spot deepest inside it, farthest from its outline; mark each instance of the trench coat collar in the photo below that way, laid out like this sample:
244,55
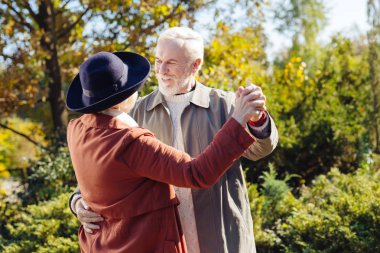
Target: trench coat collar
201,97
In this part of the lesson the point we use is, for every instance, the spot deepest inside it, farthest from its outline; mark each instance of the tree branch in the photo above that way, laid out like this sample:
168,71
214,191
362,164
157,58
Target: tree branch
62,8
24,136
33,14
156,23
21,20
64,5
7,56
68,29
172,14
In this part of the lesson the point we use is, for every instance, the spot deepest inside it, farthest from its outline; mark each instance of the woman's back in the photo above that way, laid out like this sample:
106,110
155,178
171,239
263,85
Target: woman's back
124,173
131,205
98,144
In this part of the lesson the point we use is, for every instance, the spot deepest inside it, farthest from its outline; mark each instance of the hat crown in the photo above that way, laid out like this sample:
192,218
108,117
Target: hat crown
100,71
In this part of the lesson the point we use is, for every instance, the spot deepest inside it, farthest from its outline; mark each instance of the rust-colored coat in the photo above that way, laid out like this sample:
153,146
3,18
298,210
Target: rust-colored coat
125,173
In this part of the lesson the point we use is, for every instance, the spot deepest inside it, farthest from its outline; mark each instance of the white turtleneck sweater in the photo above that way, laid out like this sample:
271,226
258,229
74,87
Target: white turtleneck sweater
176,105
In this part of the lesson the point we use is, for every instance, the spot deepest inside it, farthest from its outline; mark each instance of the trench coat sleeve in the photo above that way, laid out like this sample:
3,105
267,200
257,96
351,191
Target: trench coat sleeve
262,146
150,158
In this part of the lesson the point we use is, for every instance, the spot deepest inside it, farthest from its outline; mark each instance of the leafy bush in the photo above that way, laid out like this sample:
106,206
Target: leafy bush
52,175
338,213
47,227
38,219
15,151
320,111
8,209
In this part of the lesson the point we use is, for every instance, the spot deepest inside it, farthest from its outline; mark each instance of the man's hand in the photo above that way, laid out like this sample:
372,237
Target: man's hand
250,104
256,99
86,217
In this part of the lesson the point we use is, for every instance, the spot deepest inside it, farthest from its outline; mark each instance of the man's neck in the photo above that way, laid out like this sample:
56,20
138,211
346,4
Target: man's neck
191,87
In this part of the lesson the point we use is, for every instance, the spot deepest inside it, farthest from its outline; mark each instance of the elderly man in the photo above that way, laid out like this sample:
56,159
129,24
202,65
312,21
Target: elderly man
186,114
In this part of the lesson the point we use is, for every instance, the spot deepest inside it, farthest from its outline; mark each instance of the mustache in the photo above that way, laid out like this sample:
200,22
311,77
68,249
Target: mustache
166,76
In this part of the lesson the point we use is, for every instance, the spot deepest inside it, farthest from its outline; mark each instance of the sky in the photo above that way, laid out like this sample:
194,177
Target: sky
346,16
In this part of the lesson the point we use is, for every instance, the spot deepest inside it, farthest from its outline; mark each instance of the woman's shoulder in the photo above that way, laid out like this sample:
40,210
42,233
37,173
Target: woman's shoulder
133,133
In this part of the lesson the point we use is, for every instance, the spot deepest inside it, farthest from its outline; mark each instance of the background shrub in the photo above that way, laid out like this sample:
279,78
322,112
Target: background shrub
337,213
47,227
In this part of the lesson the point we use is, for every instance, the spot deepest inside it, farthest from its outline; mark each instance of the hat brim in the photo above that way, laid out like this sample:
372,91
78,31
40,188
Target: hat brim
138,71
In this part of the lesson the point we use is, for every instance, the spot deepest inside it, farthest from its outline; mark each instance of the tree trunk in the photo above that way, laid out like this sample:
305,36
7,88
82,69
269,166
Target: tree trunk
375,85
49,44
57,105
373,11
374,64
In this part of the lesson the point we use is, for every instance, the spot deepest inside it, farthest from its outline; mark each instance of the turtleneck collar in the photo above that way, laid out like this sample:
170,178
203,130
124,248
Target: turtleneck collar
185,97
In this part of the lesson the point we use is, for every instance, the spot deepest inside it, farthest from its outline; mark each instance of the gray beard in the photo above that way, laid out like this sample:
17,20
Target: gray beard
168,92
172,91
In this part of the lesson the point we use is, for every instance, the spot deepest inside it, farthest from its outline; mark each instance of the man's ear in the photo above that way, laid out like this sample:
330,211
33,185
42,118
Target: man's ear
196,65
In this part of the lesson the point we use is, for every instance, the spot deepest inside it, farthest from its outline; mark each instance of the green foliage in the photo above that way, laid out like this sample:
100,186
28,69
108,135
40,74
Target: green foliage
234,58
322,115
303,20
47,227
9,208
15,151
49,177
38,219
373,8
274,191
338,213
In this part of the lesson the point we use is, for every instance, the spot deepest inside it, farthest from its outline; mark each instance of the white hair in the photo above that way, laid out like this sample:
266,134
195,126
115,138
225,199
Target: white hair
192,41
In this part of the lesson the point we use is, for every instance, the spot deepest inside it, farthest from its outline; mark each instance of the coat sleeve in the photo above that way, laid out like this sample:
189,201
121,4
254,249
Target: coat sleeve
150,158
262,146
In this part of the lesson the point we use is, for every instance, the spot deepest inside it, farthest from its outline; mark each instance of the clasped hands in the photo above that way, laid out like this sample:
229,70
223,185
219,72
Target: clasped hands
250,104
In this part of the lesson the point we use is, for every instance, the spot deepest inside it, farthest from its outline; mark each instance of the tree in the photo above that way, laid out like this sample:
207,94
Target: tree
303,20
43,42
235,57
374,63
321,112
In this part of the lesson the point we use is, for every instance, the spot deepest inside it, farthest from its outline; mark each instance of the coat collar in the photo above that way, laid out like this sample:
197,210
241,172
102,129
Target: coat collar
201,97
99,120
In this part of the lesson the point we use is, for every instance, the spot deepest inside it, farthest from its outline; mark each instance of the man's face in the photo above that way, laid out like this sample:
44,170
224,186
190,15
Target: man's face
173,68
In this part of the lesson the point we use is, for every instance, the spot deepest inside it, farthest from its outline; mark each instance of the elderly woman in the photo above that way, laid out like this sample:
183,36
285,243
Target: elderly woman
126,174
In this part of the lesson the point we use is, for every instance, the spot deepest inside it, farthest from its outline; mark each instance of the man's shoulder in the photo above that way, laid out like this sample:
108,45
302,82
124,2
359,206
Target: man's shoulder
143,102
216,93
146,98
213,99
221,96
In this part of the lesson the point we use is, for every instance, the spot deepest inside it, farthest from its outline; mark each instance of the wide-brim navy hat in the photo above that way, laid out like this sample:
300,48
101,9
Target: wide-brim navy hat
106,79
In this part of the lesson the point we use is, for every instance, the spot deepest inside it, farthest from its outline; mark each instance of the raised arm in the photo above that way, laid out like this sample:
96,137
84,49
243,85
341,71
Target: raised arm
163,163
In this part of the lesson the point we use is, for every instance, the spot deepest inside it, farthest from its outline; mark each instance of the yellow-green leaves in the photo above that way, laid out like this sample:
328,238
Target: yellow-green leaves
233,58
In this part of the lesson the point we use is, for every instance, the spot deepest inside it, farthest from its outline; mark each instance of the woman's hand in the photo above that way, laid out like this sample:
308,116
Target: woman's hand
250,103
